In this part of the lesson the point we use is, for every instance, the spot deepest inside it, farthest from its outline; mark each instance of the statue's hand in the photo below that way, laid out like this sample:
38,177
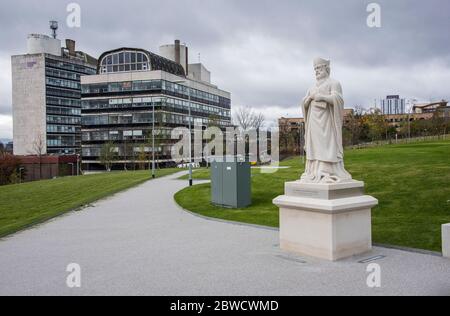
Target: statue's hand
307,100
319,98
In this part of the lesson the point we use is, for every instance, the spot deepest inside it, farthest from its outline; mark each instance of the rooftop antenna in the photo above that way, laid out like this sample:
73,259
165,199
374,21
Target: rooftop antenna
199,58
54,28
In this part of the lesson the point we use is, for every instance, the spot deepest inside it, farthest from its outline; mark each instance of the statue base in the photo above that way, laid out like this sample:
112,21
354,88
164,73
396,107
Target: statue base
327,221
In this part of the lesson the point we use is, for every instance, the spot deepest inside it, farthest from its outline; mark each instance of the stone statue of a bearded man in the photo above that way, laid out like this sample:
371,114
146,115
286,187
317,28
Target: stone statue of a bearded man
323,109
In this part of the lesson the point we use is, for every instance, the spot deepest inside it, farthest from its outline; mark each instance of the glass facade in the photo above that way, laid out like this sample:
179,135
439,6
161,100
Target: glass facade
136,60
63,104
393,105
124,61
163,86
122,112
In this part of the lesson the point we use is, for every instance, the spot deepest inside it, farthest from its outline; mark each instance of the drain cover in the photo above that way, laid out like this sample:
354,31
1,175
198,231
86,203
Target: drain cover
372,259
291,259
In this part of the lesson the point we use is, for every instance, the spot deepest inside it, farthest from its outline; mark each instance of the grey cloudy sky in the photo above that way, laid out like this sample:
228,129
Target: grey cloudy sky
261,51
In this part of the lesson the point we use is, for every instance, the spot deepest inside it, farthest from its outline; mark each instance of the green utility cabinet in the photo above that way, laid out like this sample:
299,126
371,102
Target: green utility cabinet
231,184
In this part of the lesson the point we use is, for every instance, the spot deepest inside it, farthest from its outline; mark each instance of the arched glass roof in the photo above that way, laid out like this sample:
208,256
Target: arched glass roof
131,59
124,61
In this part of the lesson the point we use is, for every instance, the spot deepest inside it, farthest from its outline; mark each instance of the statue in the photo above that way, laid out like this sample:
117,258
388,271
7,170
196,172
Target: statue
323,109
325,214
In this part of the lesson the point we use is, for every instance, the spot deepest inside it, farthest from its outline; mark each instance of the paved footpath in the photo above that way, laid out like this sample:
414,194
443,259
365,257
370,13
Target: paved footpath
139,242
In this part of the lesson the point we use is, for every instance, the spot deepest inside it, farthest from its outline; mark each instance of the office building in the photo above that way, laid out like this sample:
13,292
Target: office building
46,96
430,107
393,105
132,87
420,112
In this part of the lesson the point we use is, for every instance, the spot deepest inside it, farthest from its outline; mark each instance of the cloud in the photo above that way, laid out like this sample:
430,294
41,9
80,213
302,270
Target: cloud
6,127
5,84
259,50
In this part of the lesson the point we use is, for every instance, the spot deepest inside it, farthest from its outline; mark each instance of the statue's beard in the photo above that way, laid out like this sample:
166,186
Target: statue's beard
322,76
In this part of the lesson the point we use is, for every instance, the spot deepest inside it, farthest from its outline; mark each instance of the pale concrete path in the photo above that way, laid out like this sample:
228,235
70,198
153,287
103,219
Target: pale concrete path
140,243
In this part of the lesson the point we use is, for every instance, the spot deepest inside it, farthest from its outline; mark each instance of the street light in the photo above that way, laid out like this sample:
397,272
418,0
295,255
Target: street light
190,130
20,174
71,164
411,108
78,164
153,140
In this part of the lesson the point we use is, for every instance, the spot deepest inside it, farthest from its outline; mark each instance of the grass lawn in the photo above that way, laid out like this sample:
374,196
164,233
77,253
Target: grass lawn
23,205
411,182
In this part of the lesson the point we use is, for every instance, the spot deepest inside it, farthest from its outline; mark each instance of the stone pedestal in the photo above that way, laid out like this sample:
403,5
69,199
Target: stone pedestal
327,221
446,240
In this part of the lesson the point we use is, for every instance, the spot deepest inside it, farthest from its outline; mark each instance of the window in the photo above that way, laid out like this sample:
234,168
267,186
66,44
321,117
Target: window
124,61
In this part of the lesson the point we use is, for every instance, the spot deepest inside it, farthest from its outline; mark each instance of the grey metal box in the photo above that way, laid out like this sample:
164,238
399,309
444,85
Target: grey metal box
231,184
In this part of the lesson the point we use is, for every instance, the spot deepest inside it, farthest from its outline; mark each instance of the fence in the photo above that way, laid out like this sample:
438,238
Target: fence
399,141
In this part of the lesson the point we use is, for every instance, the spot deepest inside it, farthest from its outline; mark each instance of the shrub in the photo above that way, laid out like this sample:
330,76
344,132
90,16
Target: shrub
9,168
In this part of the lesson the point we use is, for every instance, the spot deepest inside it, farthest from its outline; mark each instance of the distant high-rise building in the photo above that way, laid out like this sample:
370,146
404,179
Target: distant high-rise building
393,105
46,96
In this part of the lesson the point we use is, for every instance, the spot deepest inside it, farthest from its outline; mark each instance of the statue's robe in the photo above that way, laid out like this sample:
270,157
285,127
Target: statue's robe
323,137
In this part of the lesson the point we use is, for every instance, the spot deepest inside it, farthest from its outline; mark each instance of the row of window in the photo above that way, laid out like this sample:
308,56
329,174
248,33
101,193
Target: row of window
63,111
149,85
115,135
125,68
146,118
55,119
62,141
69,66
118,135
62,74
124,61
124,57
51,91
63,129
63,102
122,151
137,118
122,86
186,91
63,83
158,102
62,151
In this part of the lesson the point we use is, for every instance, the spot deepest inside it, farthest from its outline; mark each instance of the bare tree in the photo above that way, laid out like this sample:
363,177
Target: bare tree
39,149
243,118
258,121
108,155
142,157
246,118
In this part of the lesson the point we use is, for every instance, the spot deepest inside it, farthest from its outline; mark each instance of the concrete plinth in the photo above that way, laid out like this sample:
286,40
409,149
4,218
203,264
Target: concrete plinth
327,221
446,240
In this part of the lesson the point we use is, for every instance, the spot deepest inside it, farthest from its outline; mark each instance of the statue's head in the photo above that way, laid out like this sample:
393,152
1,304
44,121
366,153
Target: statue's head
322,68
